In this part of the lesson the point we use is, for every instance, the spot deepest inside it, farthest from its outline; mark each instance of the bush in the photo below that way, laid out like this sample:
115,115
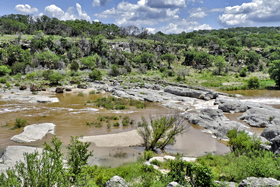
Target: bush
20,123
3,80
30,76
126,121
240,143
243,72
116,124
95,75
74,65
55,78
253,82
4,70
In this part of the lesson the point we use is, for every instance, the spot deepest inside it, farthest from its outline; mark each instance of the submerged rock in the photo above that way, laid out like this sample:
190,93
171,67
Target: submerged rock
34,132
31,98
259,182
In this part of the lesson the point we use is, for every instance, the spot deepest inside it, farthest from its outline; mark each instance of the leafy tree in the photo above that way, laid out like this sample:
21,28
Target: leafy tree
203,58
89,62
48,59
95,75
274,71
4,70
220,63
243,72
162,131
74,65
3,56
114,70
253,82
145,58
16,54
77,156
169,58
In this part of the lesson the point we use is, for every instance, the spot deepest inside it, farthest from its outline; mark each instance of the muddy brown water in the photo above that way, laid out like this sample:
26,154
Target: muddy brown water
70,116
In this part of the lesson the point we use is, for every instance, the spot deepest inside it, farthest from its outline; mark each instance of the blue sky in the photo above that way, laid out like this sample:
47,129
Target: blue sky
168,16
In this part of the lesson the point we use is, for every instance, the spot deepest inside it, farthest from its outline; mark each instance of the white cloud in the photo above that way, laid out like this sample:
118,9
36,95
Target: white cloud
197,13
70,14
100,2
25,9
184,25
151,30
138,14
166,3
248,13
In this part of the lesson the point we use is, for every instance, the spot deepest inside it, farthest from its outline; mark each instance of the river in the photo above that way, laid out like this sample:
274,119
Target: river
71,113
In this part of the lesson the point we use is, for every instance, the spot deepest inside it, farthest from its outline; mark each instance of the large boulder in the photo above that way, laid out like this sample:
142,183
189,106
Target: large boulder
231,105
116,181
184,91
215,122
22,87
34,132
34,88
59,90
171,184
272,134
260,117
258,182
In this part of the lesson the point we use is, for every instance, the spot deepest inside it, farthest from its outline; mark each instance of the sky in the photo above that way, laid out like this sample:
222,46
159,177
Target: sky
167,16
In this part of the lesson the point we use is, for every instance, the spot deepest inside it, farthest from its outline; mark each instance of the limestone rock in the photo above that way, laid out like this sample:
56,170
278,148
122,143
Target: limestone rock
259,182
116,181
59,90
34,132
22,87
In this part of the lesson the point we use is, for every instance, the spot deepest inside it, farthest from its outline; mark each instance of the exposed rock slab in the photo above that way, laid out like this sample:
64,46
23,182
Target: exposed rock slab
214,121
272,134
30,98
124,139
34,132
14,154
260,117
258,182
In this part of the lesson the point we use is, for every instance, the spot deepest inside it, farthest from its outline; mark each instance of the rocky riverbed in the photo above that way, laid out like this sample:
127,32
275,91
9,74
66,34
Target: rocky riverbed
201,107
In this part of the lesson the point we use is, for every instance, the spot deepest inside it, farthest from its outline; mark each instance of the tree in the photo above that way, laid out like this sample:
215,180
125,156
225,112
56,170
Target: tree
74,65
48,59
162,131
55,77
77,156
169,58
220,63
274,71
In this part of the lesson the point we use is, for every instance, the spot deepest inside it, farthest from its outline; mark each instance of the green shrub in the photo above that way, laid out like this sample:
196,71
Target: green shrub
240,143
30,76
92,92
55,78
74,66
116,124
17,84
115,118
148,155
95,75
126,121
108,125
253,82
4,70
3,80
243,72
101,118
81,94
19,123
120,107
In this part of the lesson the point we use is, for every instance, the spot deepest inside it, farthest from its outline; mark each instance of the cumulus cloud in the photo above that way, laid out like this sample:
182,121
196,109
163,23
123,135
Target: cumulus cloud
100,2
184,25
138,14
197,13
71,13
166,3
248,13
26,9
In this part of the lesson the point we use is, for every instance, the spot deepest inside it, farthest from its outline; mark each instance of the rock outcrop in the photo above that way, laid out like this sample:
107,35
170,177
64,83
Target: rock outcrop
30,98
116,181
214,121
34,132
259,182
272,134
260,117
59,90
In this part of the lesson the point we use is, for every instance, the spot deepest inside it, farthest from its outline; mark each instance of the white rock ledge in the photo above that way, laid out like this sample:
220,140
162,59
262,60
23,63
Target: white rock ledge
30,98
34,132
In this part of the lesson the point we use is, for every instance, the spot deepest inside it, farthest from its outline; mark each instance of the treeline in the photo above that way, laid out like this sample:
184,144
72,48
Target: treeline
26,24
